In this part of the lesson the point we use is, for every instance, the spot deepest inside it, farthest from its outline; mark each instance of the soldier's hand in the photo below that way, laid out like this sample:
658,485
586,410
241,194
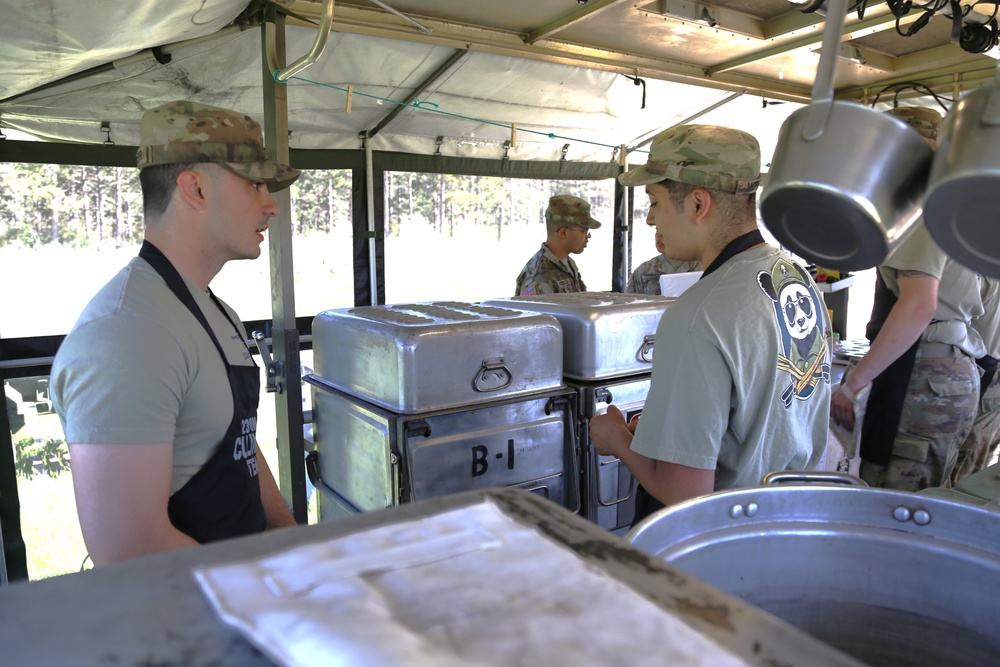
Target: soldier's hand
608,431
842,409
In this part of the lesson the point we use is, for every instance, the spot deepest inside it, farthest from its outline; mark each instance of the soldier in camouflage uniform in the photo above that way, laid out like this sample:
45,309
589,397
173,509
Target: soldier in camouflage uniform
921,362
154,384
979,447
646,277
552,270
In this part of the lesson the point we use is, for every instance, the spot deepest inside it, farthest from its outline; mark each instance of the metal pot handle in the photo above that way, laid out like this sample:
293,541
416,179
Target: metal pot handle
822,92
811,477
991,112
646,349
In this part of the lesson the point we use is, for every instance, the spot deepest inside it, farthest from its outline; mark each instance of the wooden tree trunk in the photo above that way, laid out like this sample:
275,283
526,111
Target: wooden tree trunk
387,213
116,220
99,182
329,202
440,203
53,175
409,192
85,189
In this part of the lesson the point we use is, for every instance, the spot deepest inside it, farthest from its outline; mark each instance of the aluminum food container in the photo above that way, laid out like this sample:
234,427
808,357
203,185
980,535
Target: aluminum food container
605,334
369,458
416,357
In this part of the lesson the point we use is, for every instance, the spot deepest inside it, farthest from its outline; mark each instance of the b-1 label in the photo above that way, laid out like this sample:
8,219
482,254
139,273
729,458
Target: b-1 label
481,458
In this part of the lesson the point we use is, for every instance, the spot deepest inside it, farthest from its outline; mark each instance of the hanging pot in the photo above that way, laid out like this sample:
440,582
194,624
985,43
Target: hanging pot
963,193
889,577
845,181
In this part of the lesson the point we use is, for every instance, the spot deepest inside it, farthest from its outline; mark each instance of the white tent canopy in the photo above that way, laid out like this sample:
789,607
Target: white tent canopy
72,66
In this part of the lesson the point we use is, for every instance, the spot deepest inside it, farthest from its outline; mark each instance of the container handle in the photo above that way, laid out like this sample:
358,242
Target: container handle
811,477
568,408
991,112
493,375
646,349
616,501
822,91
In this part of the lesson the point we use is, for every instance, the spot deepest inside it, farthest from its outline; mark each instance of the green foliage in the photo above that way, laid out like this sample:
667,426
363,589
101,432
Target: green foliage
81,206
46,456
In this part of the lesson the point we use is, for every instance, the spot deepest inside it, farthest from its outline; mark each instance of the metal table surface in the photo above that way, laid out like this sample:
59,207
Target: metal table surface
150,611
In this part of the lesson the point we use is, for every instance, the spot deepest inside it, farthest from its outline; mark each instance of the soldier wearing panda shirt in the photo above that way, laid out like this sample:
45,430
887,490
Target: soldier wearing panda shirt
741,374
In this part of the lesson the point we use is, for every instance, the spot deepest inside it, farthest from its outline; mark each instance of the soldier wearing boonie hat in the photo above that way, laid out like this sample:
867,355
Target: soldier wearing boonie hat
155,381
551,270
741,376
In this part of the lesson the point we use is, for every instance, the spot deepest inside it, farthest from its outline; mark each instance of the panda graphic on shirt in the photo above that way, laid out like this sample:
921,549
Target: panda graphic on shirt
804,354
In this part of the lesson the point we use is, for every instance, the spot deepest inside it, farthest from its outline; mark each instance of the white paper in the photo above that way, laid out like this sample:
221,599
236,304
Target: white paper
469,588
674,284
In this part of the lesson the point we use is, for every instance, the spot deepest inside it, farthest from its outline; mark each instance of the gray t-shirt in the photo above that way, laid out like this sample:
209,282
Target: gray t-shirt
138,368
741,378
959,298
988,324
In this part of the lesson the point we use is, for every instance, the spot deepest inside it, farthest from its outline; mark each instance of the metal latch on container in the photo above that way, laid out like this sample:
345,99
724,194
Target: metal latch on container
419,427
646,350
275,369
492,376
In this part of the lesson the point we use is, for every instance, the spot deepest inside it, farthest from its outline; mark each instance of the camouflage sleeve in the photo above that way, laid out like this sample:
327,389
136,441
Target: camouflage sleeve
633,283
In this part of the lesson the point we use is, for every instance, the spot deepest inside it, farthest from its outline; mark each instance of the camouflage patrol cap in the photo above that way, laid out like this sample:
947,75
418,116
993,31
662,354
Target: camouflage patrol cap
569,210
923,120
190,132
784,272
706,156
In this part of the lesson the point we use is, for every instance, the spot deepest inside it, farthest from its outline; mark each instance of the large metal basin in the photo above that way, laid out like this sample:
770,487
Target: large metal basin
891,578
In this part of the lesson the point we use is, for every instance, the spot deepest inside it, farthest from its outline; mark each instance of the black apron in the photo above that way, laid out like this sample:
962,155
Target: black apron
888,391
645,503
222,499
988,365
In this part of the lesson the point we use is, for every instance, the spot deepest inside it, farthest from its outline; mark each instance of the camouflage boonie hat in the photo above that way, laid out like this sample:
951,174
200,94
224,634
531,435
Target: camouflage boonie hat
189,132
923,120
706,156
570,210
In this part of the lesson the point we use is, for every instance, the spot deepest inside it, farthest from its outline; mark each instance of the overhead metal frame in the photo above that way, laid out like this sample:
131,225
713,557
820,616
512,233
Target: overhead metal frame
434,76
876,19
588,10
780,32
376,23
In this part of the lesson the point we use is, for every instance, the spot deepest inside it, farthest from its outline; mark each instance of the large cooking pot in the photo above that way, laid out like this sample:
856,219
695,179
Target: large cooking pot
845,181
963,193
889,577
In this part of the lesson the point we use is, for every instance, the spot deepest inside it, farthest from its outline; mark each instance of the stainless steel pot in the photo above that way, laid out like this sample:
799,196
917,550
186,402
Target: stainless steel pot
963,193
891,578
845,181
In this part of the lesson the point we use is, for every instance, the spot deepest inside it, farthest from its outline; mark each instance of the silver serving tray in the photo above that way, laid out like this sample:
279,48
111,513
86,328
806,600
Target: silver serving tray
416,357
605,334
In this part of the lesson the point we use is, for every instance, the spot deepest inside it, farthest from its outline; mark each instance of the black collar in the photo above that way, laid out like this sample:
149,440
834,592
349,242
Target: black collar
733,248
